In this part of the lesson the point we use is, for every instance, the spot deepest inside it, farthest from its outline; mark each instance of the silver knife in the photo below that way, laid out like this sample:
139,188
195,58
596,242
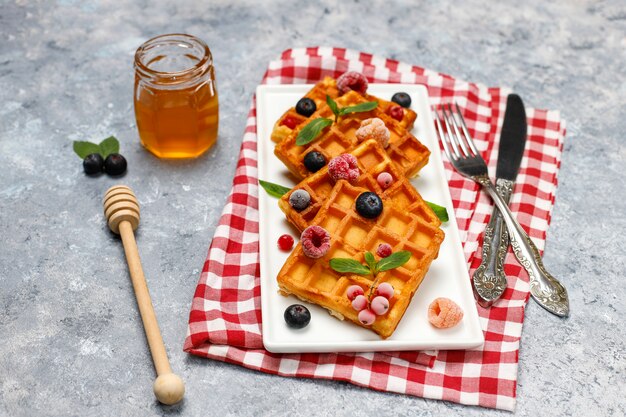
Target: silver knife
489,281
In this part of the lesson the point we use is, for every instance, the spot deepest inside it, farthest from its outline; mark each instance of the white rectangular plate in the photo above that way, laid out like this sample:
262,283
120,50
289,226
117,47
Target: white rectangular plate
447,276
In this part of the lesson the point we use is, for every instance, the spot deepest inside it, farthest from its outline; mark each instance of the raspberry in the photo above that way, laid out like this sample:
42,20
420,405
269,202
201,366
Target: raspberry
367,317
285,242
379,305
384,180
396,112
290,122
315,241
343,167
444,313
385,289
359,302
384,250
373,128
353,291
352,80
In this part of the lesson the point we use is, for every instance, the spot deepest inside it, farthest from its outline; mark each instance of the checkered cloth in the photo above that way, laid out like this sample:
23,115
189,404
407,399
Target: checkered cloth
225,318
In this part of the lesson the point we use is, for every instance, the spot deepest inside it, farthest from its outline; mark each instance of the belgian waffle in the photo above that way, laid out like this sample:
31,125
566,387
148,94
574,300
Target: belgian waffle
352,235
404,149
328,87
372,160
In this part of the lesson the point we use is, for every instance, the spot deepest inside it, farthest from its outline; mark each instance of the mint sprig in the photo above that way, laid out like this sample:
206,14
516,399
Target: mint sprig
104,148
440,211
274,190
312,130
349,265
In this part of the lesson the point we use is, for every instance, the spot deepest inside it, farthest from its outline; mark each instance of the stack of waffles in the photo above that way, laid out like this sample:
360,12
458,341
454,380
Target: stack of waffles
406,222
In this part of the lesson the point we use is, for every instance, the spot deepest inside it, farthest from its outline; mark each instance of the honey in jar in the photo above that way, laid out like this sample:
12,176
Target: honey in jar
175,98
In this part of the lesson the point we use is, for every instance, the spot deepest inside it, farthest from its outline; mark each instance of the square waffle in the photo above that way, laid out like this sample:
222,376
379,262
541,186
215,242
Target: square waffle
372,160
313,280
328,87
404,149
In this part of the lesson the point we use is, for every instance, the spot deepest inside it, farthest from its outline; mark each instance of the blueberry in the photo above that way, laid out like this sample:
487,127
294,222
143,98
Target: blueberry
402,99
306,107
314,161
300,199
92,164
115,164
297,316
369,205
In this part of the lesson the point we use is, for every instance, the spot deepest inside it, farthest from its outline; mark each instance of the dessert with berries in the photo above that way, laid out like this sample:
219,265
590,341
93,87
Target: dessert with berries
335,116
363,256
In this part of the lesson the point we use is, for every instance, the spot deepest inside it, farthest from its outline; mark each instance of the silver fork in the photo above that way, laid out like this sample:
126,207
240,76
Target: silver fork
462,153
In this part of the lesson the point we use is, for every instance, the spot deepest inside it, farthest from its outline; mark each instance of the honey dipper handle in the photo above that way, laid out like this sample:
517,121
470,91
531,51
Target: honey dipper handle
153,334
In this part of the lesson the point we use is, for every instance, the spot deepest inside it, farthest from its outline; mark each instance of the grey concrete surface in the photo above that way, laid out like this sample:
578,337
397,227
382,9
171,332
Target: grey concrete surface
71,343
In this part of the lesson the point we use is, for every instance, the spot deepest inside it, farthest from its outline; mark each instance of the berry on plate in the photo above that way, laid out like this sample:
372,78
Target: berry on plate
300,199
369,205
314,161
353,291
379,305
384,250
367,317
385,289
315,241
285,242
402,99
297,316
373,128
384,179
352,80
343,167
396,112
444,313
305,107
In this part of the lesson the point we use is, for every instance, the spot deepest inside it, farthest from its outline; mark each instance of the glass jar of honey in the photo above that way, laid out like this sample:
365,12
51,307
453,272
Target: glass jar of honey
175,98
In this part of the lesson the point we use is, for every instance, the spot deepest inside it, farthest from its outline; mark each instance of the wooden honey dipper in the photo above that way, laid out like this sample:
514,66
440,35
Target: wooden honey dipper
121,210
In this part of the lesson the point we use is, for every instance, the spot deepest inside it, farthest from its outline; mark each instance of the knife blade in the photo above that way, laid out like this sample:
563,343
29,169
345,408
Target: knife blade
489,281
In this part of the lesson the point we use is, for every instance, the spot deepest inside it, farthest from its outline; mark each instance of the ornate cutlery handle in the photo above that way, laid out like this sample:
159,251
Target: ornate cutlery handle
544,288
489,281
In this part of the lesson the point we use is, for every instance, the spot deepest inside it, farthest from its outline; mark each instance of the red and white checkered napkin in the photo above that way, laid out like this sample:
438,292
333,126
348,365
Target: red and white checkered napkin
225,318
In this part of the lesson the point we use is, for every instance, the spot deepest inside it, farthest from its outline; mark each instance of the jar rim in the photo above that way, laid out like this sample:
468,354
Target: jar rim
166,38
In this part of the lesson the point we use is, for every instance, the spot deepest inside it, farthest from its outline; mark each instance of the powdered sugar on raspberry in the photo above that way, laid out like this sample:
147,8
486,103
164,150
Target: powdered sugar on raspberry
373,128
352,80
315,241
444,313
344,167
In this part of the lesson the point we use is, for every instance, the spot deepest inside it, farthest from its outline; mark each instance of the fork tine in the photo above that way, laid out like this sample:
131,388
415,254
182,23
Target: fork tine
442,137
454,138
449,114
464,128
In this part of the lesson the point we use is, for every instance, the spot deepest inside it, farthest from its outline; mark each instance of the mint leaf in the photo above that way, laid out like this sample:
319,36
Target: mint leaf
333,106
440,211
108,146
348,265
393,261
274,190
370,260
312,130
359,108
83,148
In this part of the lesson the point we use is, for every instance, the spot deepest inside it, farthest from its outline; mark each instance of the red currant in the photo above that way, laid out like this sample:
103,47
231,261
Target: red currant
290,122
285,242
396,112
